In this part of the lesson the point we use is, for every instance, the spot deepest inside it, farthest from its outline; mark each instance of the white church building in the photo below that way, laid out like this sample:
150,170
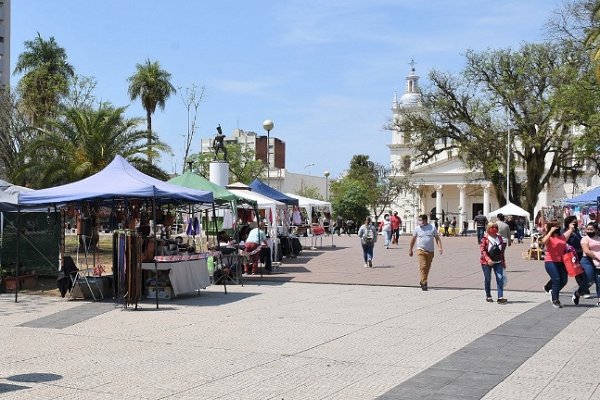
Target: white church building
443,186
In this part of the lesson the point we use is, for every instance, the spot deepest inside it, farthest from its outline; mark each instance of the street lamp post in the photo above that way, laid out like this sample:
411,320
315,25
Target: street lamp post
326,173
508,159
268,126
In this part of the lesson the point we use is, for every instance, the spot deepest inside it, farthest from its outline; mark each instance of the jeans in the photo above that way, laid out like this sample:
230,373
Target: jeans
591,272
487,282
387,236
558,276
367,252
520,234
480,232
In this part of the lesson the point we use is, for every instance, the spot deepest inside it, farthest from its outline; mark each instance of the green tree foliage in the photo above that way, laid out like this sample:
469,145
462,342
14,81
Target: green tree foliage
16,133
152,85
381,187
311,192
84,141
536,92
46,77
349,198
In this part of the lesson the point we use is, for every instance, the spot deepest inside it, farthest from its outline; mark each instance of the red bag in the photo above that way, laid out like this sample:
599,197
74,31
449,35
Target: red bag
572,263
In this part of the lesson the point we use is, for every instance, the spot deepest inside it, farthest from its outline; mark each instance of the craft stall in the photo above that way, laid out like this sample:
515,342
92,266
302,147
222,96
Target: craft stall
129,194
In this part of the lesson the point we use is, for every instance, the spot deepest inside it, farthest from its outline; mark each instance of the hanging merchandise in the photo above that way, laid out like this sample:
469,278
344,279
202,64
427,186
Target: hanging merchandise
227,219
296,216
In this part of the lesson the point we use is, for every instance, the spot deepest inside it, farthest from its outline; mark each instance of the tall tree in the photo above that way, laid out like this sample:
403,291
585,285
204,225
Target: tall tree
536,92
84,141
46,77
381,187
152,85
192,99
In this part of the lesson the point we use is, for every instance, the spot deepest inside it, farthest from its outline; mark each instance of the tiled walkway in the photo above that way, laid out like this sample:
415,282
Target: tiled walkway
356,334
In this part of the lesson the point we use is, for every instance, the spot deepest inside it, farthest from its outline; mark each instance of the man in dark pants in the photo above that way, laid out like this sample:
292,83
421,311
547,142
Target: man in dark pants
480,223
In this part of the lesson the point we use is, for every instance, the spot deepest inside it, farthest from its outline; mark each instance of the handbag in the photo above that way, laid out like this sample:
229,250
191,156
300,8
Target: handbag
572,262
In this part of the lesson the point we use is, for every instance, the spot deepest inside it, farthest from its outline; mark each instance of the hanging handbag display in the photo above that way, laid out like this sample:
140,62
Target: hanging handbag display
572,262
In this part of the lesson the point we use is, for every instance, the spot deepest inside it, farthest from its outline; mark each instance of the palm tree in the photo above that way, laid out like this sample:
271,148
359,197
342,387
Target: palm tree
46,77
84,141
152,85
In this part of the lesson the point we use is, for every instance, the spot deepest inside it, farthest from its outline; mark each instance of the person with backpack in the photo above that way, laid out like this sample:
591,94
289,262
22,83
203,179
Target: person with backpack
368,236
492,248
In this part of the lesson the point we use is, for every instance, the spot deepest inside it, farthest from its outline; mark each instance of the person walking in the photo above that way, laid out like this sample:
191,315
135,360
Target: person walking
386,230
368,236
520,228
396,224
590,262
446,227
480,221
571,232
492,258
503,228
555,244
424,236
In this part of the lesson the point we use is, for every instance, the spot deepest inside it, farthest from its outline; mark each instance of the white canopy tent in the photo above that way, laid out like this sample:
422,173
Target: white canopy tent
263,203
510,209
308,204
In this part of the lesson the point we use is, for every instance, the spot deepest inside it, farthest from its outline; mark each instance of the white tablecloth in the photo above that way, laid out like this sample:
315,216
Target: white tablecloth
185,276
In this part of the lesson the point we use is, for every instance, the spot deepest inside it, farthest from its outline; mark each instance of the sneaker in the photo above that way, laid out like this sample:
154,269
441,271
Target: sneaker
598,304
502,300
587,296
549,291
489,299
575,298
366,265
556,304
370,263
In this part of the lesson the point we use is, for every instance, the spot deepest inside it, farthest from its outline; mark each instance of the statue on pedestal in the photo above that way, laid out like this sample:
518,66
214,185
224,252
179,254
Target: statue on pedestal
219,143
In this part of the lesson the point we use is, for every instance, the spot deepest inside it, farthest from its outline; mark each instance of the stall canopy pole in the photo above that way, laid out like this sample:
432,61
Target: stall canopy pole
17,257
155,249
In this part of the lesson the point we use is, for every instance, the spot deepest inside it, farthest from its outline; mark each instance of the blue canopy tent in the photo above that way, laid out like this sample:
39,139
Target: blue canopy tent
588,198
118,181
266,190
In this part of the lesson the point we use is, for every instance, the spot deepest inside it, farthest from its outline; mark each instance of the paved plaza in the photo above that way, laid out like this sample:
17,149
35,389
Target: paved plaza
326,328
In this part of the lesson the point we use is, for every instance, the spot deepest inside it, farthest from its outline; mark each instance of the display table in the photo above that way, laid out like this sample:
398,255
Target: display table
186,275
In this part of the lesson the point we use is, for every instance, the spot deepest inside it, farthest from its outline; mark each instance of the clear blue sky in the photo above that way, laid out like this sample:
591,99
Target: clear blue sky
324,71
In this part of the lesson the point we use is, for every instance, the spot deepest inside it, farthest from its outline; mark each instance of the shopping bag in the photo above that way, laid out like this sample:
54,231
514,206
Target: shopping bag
572,263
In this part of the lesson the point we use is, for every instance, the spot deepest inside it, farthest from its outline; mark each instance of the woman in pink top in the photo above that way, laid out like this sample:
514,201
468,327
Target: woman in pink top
591,255
556,245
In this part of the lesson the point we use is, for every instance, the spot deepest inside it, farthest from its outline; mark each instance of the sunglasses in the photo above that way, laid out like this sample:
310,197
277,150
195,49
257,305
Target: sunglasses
493,227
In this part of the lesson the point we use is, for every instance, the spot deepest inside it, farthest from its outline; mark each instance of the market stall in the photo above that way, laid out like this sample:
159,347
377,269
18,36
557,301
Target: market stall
119,183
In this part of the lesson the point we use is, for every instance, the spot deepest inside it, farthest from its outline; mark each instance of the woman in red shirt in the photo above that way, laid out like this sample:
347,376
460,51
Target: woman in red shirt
555,244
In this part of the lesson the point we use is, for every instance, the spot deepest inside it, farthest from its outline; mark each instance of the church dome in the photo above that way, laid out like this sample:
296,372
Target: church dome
411,96
410,99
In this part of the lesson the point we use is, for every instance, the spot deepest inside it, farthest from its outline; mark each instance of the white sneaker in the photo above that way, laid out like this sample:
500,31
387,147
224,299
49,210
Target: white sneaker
366,265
